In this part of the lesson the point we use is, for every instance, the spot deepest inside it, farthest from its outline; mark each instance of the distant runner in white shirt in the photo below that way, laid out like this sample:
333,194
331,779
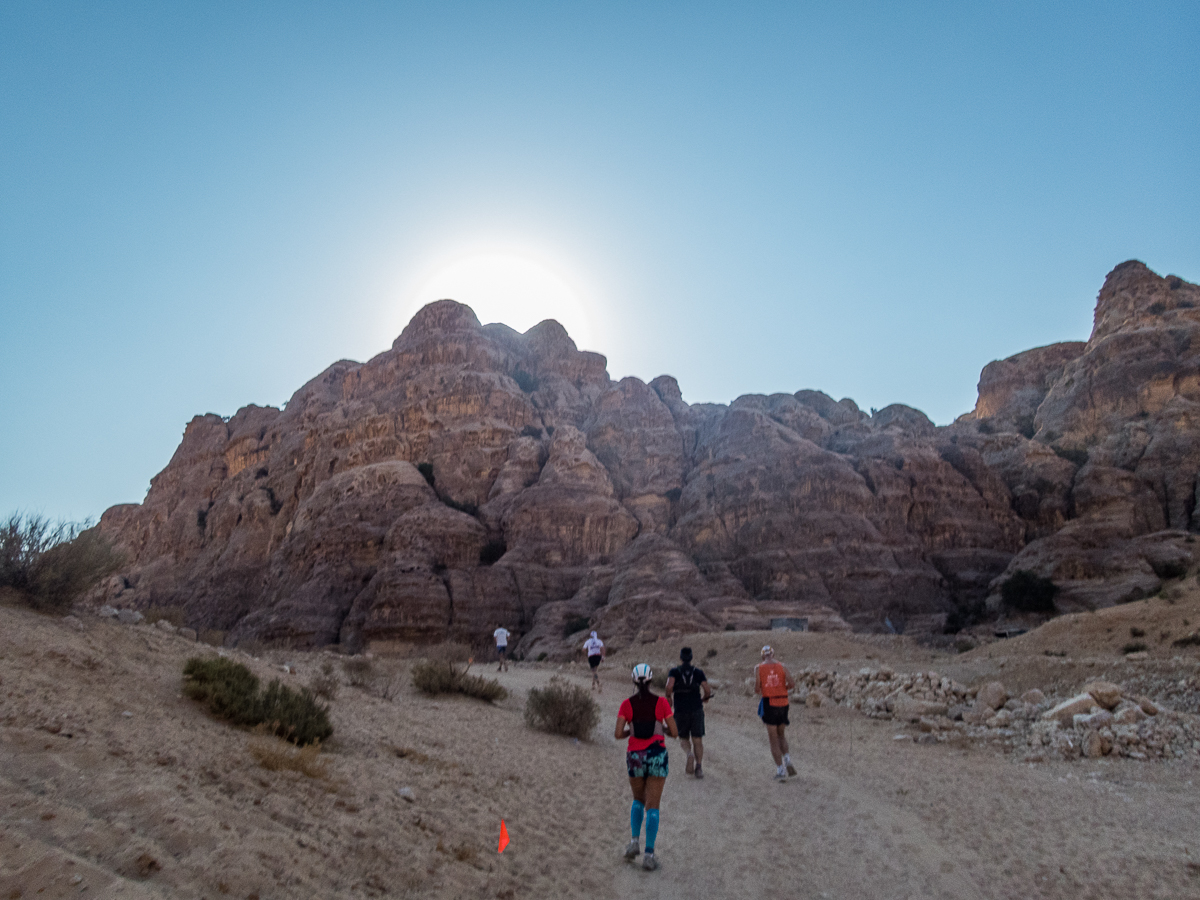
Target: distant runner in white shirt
501,636
594,648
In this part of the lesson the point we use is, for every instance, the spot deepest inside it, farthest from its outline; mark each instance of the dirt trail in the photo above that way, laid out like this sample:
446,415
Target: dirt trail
738,833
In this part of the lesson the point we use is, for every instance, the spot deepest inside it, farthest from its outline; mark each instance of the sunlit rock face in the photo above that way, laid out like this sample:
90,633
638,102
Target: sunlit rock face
472,476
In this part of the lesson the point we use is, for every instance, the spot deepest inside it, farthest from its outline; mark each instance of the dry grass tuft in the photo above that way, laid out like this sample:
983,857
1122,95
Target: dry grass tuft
276,754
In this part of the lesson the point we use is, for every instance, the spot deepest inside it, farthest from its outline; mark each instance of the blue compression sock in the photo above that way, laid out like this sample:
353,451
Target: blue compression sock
635,817
651,829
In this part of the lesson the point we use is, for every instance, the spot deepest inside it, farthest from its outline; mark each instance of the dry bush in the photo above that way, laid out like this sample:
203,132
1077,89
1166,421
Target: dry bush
213,637
276,754
562,708
230,691
325,683
439,677
49,565
359,671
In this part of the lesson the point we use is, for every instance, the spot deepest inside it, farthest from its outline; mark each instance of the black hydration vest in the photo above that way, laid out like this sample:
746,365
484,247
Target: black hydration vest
644,719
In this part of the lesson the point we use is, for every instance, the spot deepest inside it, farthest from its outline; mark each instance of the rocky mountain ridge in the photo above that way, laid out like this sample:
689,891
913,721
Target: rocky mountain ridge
472,475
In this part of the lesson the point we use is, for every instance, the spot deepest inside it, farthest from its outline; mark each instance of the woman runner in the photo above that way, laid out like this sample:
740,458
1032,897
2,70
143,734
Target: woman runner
642,718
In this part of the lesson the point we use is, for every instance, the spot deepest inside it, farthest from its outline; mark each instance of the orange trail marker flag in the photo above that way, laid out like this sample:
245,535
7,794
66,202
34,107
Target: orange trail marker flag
503,837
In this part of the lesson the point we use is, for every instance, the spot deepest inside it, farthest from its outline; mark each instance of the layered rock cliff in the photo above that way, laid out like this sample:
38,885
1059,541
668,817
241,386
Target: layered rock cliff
472,476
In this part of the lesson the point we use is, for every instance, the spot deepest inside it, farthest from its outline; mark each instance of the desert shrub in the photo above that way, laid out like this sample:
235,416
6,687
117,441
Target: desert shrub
574,624
227,688
213,637
172,614
562,708
276,754
1137,632
434,676
712,651
1029,592
1169,569
492,551
1157,309
426,470
526,382
1191,640
359,671
230,691
49,565
1133,647
674,494
532,431
541,657
325,683
295,715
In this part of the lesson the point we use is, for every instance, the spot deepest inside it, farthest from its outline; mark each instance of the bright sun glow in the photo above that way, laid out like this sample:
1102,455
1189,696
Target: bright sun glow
508,287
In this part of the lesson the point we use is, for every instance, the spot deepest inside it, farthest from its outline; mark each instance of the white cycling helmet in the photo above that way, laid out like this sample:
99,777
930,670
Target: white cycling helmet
642,672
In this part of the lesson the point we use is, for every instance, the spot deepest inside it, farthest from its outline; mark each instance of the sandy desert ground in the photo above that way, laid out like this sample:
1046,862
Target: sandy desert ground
112,784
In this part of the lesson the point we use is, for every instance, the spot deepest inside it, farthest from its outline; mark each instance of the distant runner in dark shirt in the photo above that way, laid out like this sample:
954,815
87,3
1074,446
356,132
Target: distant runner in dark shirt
688,689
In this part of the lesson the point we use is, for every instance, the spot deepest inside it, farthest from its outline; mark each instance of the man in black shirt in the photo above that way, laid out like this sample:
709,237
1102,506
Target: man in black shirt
688,690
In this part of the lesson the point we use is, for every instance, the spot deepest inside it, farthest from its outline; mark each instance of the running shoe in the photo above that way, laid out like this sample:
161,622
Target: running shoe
780,775
699,772
632,849
649,863
691,764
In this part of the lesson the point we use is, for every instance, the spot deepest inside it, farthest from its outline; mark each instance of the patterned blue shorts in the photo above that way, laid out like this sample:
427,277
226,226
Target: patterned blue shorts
648,763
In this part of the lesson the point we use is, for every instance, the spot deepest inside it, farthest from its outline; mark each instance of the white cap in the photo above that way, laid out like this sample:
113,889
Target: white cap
767,651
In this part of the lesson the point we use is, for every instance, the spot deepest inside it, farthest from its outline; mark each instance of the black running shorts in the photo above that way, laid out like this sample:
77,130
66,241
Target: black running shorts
690,724
594,661
775,715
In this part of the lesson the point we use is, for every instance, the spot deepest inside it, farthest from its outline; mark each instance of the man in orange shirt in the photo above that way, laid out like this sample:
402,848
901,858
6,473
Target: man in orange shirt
772,681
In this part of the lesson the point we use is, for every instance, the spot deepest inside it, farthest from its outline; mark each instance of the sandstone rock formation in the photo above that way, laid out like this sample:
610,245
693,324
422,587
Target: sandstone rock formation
472,476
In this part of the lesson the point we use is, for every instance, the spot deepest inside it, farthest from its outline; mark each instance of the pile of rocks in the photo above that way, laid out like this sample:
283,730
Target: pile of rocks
134,617
1103,719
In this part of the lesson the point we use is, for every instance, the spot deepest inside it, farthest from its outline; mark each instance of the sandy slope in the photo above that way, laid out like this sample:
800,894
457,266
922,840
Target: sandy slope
165,802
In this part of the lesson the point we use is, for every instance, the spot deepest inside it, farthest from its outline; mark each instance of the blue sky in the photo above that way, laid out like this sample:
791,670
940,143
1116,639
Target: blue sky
204,205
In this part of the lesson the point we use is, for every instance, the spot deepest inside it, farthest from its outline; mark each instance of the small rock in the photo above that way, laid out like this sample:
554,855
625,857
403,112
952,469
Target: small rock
129,616
1105,693
993,695
900,737
164,625
188,633
955,713
1033,697
814,699
1101,719
906,709
76,879
1140,654
1001,719
107,612
1149,707
1129,714
1065,712
406,793
74,622
127,714
1092,744
977,714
